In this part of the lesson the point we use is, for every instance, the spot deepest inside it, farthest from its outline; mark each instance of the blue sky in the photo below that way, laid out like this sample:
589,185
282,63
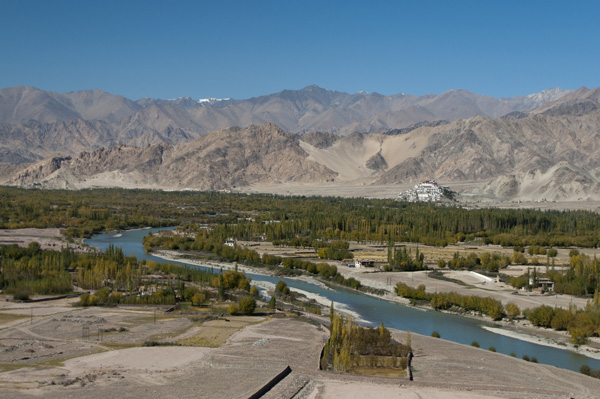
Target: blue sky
242,49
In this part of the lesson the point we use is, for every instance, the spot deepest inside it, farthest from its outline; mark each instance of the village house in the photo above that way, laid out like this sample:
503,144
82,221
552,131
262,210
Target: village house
546,284
363,263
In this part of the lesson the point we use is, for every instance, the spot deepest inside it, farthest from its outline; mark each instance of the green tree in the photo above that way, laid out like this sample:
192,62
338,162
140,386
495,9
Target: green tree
331,312
512,310
541,316
198,299
247,304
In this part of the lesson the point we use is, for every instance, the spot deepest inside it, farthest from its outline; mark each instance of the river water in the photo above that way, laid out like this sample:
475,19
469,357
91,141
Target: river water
373,310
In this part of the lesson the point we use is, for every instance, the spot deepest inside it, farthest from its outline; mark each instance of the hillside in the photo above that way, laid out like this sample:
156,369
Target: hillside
222,159
35,124
547,153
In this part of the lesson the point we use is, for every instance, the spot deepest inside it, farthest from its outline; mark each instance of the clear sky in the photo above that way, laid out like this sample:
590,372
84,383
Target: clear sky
241,49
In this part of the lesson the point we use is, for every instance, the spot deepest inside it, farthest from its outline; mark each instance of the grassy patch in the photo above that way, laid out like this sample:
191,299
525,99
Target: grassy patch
438,275
12,367
8,317
118,345
379,371
170,334
214,333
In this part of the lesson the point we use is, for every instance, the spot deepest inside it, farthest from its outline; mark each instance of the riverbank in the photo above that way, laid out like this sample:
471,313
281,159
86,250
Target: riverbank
324,303
522,329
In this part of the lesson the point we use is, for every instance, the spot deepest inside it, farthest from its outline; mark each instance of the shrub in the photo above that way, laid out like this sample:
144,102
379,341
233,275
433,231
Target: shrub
534,359
435,334
492,349
198,299
562,319
189,292
513,354
247,305
92,300
574,252
526,358
158,343
541,316
282,288
475,344
512,310
83,299
115,298
21,295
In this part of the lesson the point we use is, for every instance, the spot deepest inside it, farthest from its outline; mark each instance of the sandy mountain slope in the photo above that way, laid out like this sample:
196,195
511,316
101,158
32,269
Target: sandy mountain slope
34,122
559,182
547,154
360,156
222,159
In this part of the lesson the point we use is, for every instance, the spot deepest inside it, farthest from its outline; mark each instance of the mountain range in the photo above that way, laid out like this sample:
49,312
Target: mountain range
539,146
35,124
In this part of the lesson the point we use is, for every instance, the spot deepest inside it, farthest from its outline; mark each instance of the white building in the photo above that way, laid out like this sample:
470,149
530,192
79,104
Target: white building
425,191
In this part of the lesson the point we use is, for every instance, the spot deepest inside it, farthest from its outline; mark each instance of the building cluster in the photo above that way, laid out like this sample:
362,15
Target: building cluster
425,191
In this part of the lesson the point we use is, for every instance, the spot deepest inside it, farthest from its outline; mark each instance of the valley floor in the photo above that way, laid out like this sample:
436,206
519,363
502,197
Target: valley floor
44,354
363,189
475,285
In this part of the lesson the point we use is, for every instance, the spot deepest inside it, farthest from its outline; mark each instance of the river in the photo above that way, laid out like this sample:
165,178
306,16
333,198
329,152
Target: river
373,310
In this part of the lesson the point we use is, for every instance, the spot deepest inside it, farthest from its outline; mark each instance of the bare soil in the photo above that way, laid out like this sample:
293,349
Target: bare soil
65,351
50,238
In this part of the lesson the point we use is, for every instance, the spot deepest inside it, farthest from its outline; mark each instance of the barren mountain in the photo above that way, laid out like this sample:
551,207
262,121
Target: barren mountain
222,159
548,153
537,157
561,181
35,124
578,102
21,104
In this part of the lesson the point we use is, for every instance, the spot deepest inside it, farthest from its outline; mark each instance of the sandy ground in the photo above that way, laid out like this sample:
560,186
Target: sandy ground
47,238
48,357
151,359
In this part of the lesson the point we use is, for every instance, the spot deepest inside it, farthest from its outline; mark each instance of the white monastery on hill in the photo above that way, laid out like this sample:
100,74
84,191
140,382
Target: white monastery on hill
425,191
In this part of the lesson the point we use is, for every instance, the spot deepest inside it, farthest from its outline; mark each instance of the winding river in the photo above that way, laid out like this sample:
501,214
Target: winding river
373,310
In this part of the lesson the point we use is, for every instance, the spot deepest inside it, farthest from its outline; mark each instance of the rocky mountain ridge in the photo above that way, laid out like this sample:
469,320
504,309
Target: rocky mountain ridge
35,124
546,153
